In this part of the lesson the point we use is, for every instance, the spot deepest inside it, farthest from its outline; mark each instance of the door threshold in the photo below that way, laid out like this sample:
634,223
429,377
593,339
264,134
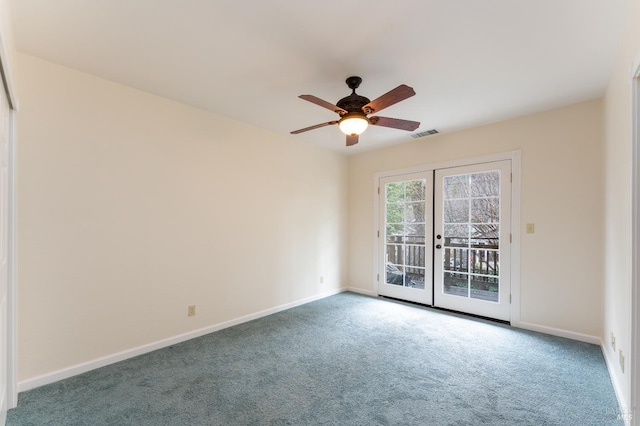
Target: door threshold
451,311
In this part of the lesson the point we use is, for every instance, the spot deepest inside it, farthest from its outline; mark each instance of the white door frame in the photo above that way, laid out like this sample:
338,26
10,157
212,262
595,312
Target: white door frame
11,321
12,308
515,157
635,241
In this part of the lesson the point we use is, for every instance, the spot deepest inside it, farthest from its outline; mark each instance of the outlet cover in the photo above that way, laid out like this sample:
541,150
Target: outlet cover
613,341
622,360
192,310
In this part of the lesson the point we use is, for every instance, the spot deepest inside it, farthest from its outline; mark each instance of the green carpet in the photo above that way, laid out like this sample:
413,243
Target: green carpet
344,360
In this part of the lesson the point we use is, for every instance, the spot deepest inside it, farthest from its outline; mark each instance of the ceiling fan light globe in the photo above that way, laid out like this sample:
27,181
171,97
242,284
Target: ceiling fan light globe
353,125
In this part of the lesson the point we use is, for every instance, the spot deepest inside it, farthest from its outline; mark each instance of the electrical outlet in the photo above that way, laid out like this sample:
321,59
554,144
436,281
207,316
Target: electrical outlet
613,341
531,228
321,279
192,310
622,360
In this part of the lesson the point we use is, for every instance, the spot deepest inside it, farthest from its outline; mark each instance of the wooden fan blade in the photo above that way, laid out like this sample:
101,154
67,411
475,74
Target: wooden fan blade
394,96
317,126
394,123
352,140
324,104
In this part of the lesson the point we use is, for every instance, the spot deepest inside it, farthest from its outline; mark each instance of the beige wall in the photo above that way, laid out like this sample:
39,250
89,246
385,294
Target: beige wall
561,263
617,141
133,207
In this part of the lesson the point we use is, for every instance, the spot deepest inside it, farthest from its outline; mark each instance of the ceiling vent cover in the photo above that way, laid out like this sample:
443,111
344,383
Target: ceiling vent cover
425,133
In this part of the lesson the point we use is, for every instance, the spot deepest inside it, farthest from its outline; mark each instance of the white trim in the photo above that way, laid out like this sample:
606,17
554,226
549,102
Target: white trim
447,164
12,309
516,159
74,370
634,364
376,232
361,291
11,394
595,340
617,386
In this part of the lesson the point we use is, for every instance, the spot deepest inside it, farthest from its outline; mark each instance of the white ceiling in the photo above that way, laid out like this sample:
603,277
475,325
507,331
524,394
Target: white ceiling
471,62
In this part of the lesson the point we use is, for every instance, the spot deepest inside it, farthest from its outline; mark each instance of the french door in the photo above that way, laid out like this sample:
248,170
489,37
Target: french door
445,239
472,227
406,254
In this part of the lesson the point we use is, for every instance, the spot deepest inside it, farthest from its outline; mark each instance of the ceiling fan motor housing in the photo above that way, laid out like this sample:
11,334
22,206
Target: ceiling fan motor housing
354,102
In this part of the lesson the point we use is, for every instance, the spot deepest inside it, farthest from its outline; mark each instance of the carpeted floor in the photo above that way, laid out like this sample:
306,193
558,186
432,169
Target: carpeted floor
344,360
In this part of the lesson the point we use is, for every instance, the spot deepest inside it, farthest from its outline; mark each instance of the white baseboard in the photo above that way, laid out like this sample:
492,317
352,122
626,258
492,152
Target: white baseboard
140,350
623,406
361,291
557,332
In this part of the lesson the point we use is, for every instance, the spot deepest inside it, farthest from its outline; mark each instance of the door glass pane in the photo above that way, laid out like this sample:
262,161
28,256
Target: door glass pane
493,264
456,284
415,277
489,232
405,233
485,262
395,213
456,235
394,274
484,288
456,211
415,190
415,233
459,231
414,255
395,192
395,254
485,184
395,232
456,187
485,210
414,212
456,259
471,225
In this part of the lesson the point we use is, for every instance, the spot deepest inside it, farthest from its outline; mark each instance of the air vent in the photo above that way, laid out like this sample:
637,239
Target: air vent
425,133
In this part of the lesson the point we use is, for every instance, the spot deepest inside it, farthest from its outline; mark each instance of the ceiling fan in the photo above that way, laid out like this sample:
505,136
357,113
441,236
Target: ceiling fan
354,109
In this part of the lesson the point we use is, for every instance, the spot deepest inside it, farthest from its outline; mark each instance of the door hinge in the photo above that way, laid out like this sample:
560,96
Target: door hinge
511,177
378,190
378,234
378,277
510,238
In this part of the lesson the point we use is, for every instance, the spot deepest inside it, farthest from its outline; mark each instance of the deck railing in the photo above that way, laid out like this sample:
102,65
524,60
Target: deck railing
481,257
